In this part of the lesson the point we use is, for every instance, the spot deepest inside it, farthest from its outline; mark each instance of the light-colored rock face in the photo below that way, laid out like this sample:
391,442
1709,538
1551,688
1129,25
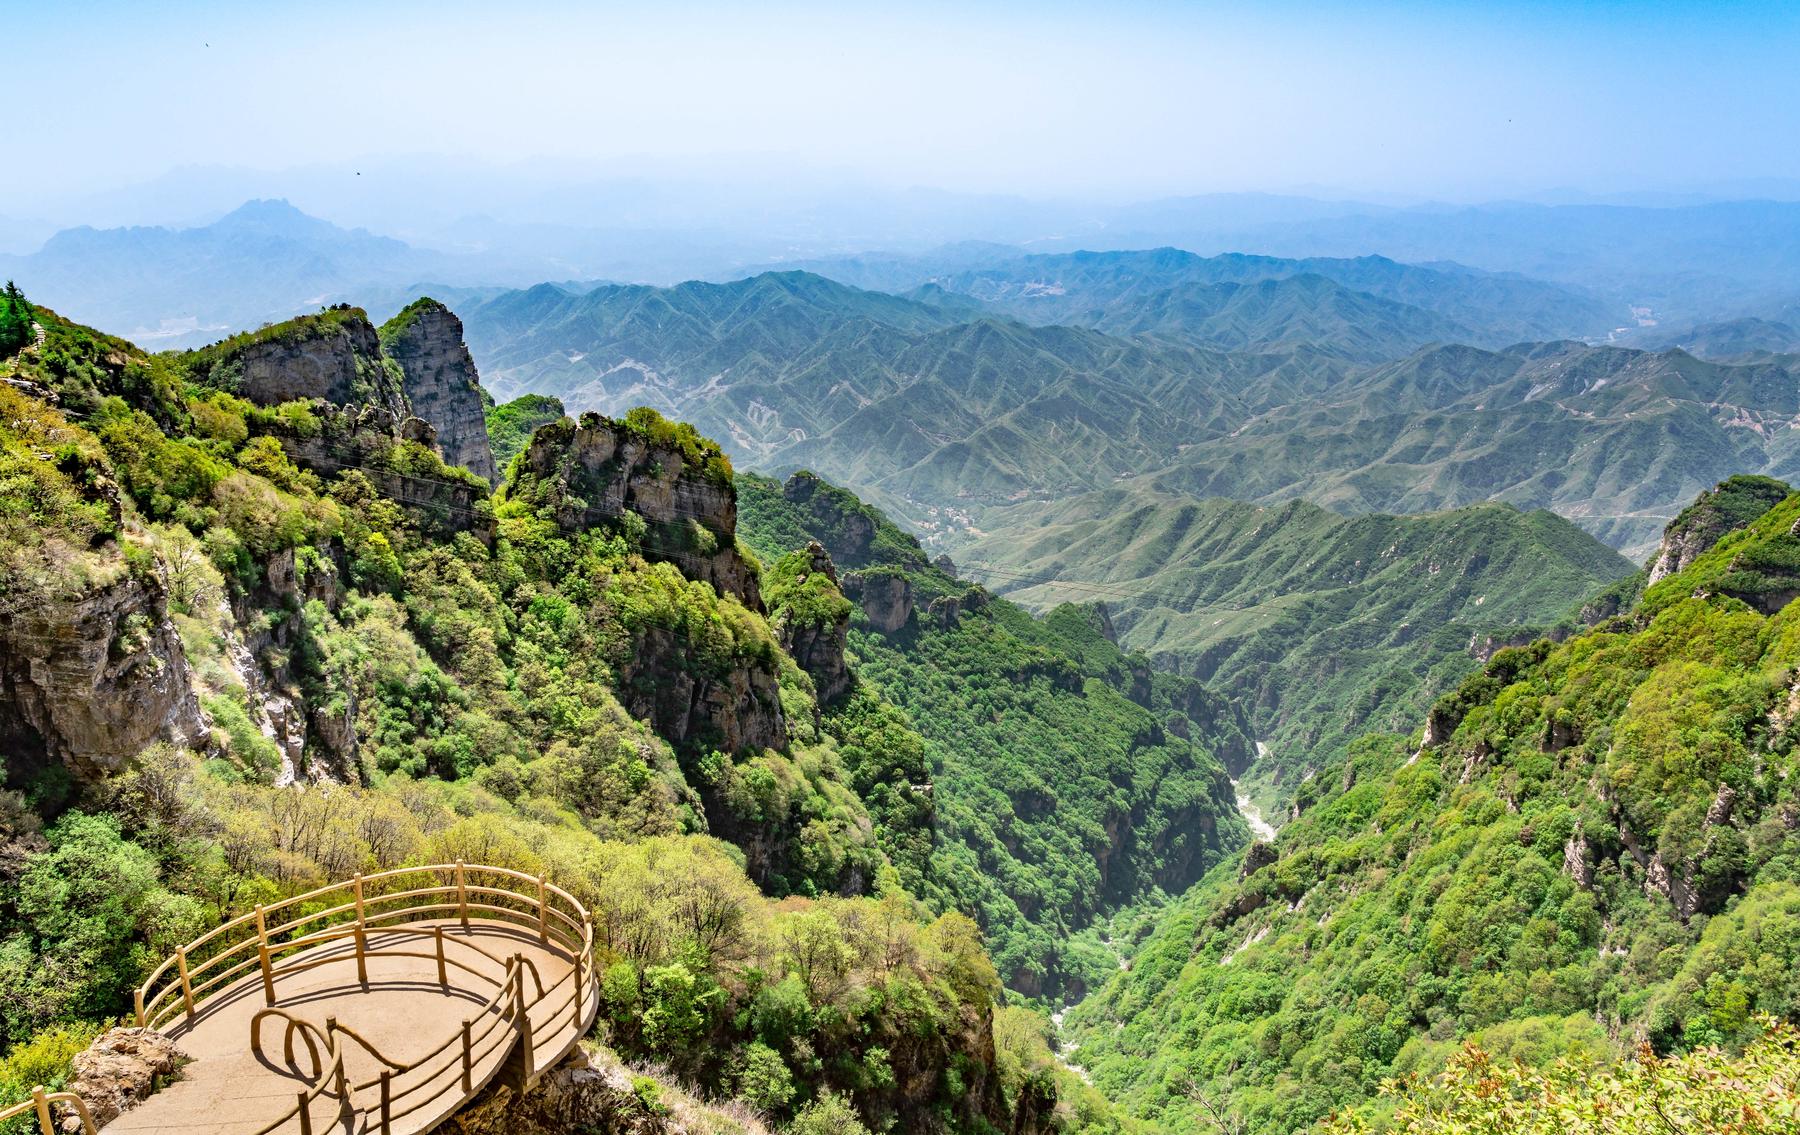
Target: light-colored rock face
118,1071
341,363
603,470
442,384
90,682
886,598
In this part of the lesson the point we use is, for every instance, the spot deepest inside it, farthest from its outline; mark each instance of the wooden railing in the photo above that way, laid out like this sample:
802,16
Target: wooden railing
40,1102
273,942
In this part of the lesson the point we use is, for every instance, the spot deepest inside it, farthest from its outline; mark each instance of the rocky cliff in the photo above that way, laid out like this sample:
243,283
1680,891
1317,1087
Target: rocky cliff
812,618
1729,505
602,471
89,681
733,711
335,355
398,456
441,383
885,596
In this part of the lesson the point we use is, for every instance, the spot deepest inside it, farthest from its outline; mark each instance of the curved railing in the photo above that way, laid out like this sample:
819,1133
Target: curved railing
40,1102
275,941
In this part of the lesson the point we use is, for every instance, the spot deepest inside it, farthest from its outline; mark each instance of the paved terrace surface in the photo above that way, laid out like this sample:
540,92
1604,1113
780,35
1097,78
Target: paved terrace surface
441,1006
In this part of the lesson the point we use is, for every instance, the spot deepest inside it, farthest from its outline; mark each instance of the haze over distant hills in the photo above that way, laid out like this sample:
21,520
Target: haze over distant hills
1679,265
936,405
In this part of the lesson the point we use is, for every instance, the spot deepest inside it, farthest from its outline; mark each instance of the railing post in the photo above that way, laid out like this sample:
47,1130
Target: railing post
462,894
543,926
437,932
468,1081
262,954
305,1115
387,1098
137,1001
520,1017
187,986
362,963
43,1111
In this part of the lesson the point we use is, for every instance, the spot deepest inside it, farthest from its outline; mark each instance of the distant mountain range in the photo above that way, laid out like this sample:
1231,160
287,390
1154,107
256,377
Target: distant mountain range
263,262
1322,626
1369,302
943,413
1594,267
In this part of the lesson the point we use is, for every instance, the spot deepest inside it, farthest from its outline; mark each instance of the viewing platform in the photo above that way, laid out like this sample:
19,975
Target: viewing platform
379,1005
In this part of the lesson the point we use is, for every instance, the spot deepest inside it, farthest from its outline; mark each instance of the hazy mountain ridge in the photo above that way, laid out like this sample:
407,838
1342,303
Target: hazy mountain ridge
914,402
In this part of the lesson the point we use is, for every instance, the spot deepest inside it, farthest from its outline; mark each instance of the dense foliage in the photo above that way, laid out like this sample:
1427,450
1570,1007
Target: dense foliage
479,658
1708,1090
15,320
1068,779
1599,848
511,424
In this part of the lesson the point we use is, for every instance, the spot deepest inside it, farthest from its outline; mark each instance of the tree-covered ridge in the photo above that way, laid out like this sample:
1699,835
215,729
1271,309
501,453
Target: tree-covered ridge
1596,847
511,424
1708,1089
1322,626
470,686
1068,778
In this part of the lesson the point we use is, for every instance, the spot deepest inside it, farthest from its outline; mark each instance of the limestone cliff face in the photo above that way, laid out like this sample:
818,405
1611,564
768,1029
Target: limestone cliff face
1725,507
886,597
371,440
817,641
600,469
90,681
732,712
336,356
441,383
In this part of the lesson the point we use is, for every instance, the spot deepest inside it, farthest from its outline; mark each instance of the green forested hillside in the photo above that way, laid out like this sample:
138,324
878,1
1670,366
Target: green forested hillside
1594,847
1321,627
1069,779
1096,288
211,609
943,415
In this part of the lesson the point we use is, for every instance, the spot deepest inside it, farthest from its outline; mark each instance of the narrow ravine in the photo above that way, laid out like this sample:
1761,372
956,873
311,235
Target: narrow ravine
1259,827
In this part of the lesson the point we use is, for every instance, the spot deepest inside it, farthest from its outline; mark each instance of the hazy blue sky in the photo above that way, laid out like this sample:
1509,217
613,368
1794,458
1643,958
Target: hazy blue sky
1119,100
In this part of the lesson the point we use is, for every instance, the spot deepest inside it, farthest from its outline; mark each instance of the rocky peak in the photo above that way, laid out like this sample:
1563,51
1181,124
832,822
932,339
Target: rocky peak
812,618
441,383
334,355
1726,507
678,485
885,596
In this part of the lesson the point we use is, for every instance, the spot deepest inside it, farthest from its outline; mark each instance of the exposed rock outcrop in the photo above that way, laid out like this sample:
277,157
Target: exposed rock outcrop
441,383
738,710
371,440
118,1071
817,640
848,528
1727,506
599,470
885,596
335,355
90,681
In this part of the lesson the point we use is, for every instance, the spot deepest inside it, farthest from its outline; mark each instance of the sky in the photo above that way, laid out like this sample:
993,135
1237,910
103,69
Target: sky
1121,101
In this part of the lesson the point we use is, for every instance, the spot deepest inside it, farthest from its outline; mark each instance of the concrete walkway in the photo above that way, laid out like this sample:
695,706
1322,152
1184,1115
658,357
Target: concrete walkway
402,1012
